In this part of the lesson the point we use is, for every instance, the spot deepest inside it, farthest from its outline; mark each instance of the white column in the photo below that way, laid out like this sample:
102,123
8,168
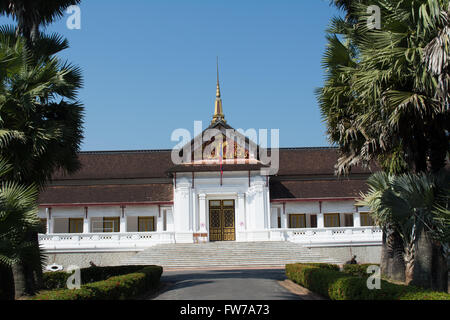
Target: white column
182,207
284,219
86,224
356,219
48,214
320,221
159,219
260,218
267,207
320,218
123,221
194,221
202,212
241,212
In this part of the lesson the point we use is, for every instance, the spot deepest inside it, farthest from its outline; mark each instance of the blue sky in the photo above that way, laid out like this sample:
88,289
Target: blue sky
150,68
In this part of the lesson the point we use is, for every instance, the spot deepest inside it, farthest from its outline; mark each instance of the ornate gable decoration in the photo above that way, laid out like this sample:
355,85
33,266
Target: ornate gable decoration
220,142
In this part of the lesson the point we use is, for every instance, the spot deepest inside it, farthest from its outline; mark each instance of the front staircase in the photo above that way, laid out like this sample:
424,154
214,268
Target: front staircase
227,255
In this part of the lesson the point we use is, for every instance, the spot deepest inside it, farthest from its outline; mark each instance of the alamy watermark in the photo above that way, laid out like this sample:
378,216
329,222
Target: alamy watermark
374,20
230,146
73,22
74,280
374,281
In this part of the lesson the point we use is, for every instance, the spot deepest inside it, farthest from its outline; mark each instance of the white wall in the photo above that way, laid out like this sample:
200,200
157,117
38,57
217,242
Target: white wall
313,207
96,214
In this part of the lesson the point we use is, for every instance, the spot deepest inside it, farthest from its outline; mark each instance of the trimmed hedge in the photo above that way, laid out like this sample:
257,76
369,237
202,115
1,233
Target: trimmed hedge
114,288
358,270
58,280
337,285
328,266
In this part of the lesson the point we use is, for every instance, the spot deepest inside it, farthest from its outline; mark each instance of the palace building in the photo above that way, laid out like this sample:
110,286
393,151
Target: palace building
133,200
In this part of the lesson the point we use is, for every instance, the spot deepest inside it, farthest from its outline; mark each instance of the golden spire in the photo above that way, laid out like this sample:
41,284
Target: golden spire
218,111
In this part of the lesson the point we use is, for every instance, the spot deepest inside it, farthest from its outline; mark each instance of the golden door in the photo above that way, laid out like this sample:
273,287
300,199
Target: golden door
221,220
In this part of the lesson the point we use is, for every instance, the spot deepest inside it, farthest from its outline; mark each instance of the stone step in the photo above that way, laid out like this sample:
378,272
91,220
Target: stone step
227,254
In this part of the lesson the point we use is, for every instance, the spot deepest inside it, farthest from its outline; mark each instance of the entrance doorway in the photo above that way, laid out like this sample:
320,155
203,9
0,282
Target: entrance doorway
221,220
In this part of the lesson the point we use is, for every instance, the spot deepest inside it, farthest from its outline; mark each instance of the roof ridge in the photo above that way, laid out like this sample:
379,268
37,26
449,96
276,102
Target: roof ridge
124,151
170,150
307,148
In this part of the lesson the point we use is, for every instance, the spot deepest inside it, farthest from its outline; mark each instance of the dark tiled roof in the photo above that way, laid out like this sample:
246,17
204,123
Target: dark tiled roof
304,189
156,192
311,161
157,163
122,165
312,164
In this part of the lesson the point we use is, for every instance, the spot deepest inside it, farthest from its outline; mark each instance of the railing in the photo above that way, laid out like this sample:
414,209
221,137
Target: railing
337,236
111,241
140,240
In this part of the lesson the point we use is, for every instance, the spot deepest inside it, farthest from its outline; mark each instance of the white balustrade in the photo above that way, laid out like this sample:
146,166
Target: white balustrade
129,240
140,240
337,236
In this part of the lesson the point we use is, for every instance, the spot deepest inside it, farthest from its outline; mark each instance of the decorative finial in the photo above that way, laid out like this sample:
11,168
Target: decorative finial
218,85
218,111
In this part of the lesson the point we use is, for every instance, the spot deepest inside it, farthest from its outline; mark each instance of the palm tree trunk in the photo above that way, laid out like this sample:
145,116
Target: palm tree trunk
422,268
6,283
385,255
398,263
440,268
392,262
19,280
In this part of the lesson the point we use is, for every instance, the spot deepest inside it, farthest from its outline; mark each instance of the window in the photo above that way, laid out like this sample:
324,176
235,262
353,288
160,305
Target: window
348,219
228,203
214,203
366,219
146,224
75,225
111,224
313,220
297,221
43,228
331,220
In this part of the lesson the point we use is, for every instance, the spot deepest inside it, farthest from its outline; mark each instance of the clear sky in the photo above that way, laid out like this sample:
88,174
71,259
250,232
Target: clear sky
150,68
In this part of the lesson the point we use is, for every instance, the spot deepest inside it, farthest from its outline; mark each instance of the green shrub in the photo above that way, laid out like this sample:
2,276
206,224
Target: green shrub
325,266
337,285
114,288
58,279
54,280
358,270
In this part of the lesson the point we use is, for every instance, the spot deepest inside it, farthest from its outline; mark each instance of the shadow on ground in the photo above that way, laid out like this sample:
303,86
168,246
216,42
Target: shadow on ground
244,284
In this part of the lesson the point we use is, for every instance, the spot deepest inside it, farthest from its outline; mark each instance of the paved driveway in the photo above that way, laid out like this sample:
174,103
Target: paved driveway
250,284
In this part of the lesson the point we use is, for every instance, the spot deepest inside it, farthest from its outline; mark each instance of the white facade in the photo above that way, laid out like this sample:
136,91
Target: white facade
186,220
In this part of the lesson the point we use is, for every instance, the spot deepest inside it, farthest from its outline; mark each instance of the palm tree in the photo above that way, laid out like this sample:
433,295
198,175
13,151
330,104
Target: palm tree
40,115
417,205
396,117
18,214
37,100
31,14
386,96
392,252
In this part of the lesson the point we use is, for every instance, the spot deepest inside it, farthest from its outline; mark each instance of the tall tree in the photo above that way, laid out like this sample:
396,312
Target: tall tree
31,14
18,216
38,105
396,116
418,205
386,95
38,101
